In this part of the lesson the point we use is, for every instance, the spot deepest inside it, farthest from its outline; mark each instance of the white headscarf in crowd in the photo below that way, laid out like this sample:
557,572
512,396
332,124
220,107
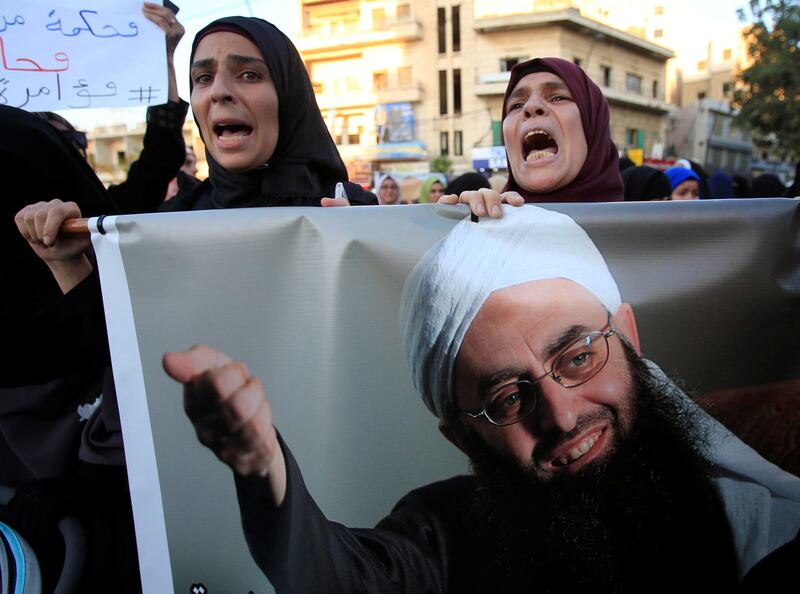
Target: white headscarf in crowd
455,278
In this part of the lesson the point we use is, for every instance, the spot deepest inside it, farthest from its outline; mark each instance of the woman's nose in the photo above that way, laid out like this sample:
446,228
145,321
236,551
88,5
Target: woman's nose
535,106
220,90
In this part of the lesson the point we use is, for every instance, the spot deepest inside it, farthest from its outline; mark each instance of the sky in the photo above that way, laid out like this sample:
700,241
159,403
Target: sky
703,18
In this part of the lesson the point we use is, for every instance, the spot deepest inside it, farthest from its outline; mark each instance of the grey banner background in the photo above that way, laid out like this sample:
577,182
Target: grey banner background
309,299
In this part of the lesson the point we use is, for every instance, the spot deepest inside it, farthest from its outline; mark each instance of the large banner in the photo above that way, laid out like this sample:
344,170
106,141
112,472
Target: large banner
309,299
77,54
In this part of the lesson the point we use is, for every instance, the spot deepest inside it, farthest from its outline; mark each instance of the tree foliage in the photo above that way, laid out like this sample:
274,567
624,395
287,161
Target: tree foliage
767,93
441,164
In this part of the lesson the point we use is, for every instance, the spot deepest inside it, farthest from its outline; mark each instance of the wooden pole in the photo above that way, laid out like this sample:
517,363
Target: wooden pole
74,226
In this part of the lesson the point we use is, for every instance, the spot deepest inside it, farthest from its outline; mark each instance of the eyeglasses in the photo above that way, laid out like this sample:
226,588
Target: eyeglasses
572,367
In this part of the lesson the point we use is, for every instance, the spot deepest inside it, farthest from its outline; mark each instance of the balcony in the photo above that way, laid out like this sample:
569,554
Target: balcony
409,94
572,19
325,38
492,84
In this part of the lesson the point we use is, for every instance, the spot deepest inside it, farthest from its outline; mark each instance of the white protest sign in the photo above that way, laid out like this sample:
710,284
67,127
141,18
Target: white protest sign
77,54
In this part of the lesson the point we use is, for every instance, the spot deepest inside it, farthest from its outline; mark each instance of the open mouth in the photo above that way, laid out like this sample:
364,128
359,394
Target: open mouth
578,451
538,144
232,132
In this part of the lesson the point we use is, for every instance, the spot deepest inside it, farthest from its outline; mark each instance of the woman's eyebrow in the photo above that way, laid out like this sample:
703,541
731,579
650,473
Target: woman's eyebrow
204,63
237,59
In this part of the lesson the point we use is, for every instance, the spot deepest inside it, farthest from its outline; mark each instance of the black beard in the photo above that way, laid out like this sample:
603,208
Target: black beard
645,519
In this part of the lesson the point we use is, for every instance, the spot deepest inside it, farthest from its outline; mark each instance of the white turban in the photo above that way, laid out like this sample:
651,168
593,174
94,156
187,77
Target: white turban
448,286
451,282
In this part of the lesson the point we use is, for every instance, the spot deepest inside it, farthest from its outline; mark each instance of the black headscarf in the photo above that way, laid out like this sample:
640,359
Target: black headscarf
598,179
37,163
645,183
472,180
44,376
767,185
305,165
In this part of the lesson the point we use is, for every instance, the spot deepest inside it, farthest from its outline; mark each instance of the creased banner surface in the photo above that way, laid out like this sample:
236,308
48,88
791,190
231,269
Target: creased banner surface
309,299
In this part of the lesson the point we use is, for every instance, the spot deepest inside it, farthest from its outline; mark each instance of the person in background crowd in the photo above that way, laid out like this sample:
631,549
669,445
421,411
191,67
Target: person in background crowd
793,191
556,130
625,163
720,185
685,183
741,186
470,181
431,190
702,176
767,185
645,183
186,179
388,190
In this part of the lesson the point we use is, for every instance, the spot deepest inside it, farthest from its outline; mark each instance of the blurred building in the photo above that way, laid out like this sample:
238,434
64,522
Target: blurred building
401,82
703,128
112,149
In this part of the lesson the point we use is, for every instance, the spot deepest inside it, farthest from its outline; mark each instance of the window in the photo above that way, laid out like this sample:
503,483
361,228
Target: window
444,143
442,92
576,61
655,89
506,64
727,88
727,53
440,17
352,83
458,143
455,21
403,12
404,78
379,80
120,157
633,83
457,90
702,65
700,96
717,128
632,137
354,137
658,33
658,10
606,76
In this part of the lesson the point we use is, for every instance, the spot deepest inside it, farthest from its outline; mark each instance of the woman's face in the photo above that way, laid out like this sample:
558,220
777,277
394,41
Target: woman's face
437,189
389,192
687,190
543,133
234,101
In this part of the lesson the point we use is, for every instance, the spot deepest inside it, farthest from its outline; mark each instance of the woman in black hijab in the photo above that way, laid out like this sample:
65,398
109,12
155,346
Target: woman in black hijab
61,450
767,185
645,183
236,117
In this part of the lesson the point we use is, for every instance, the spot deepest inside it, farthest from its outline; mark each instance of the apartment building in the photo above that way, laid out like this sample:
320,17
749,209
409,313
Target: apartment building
401,82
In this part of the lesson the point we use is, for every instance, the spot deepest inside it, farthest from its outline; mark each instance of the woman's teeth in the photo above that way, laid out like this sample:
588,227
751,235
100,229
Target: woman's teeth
535,155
